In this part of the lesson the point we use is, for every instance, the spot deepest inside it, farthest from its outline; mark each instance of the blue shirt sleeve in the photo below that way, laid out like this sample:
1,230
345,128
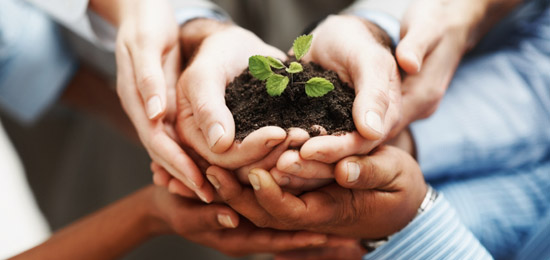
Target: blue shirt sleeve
438,233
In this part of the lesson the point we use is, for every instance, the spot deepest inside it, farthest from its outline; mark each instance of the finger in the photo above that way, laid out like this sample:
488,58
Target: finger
290,211
183,167
249,239
330,148
424,91
327,253
210,218
149,76
415,46
295,138
292,163
160,176
376,171
372,98
205,90
297,185
239,198
175,186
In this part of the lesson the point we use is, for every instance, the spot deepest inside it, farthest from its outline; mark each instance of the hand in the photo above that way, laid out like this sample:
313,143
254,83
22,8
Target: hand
218,226
148,62
435,35
219,53
296,137
359,52
347,252
377,196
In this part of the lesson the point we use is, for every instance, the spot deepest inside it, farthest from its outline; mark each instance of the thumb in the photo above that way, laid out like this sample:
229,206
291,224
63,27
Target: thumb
376,171
206,93
414,47
150,80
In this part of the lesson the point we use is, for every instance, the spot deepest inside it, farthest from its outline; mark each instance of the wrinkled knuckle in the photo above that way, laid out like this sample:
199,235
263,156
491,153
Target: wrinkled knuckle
381,99
262,222
146,82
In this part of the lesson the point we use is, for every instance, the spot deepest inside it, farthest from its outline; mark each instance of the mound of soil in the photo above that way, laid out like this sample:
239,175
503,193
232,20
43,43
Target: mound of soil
253,108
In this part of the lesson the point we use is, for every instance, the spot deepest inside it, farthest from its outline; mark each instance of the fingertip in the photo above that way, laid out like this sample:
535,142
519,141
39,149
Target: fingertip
288,162
155,107
218,137
227,220
408,60
347,172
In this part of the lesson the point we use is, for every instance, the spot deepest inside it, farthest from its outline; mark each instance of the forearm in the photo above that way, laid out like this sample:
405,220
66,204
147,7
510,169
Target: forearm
107,234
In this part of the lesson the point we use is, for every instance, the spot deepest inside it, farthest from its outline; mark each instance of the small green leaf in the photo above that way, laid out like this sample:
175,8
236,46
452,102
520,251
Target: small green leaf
318,87
275,63
294,67
301,46
259,67
276,84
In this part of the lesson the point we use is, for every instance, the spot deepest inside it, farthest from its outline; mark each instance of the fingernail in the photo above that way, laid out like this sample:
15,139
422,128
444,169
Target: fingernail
214,181
293,168
202,196
374,121
353,171
215,133
254,180
154,107
225,220
283,181
272,143
319,241
412,57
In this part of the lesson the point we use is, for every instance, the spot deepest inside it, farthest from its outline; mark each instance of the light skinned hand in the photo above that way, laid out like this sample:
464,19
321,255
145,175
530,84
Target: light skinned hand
358,51
204,121
376,196
435,36
148,63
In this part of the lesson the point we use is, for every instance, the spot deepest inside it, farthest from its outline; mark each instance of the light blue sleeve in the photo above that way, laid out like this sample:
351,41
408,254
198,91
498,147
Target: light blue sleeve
35,63
496,112
502,209
438,233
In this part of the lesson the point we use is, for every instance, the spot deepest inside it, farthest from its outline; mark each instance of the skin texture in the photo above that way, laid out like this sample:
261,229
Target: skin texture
435,36
382,199
152,211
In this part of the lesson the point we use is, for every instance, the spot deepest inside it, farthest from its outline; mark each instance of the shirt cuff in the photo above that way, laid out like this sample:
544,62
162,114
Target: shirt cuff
437,233
385,21
185,15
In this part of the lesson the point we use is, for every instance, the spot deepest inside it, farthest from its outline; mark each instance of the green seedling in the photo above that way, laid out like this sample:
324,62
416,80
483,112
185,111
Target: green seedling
260,68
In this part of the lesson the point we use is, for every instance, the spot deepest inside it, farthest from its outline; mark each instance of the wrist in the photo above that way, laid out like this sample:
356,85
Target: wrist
193,33
154,221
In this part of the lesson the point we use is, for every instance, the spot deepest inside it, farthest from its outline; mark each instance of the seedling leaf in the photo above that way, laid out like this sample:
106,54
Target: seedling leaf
301,46
275,63
259,67
294,67
318,87
276,84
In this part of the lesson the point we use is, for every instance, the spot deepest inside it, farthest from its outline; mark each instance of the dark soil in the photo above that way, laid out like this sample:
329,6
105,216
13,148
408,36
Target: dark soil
253,108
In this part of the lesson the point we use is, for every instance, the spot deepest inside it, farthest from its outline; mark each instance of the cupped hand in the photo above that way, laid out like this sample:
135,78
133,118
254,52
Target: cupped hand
358,51
204,121
435,36
376,196
148,63
218,226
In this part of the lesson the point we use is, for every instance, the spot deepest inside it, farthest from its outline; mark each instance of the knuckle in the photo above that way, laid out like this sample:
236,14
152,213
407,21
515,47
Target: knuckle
147,82
262,222
381,98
